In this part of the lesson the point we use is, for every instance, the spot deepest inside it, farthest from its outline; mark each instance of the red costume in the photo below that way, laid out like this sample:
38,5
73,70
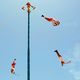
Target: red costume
13,67
13,64
49,19
54,22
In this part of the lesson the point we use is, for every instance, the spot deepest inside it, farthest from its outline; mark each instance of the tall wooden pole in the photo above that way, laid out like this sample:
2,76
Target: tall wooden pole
28,51
28,47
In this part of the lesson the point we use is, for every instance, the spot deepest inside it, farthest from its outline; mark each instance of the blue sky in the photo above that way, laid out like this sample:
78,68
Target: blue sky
45,38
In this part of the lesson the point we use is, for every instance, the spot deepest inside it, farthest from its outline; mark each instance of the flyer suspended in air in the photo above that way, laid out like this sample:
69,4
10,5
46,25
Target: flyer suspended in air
28,6
13,66
54,22
61,59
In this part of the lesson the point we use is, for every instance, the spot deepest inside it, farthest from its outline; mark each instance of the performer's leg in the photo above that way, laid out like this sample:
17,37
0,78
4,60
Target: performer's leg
57,53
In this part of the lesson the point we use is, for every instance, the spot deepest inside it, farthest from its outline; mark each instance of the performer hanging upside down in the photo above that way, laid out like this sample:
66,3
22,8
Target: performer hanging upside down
13,66
61,59
54,22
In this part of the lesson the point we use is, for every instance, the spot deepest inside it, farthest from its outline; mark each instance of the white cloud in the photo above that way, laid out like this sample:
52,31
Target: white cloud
76,52
76,74
75,70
